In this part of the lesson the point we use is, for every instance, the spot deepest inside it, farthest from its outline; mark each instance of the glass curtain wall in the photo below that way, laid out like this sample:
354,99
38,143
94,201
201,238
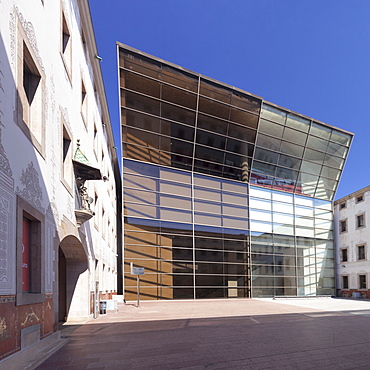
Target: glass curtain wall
189,232
224,195
291,244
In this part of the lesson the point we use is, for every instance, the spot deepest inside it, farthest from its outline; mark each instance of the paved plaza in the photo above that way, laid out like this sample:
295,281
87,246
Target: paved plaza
300,333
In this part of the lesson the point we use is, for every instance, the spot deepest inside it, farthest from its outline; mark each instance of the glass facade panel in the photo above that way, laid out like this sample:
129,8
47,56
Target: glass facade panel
298,123
320,131
271,128
294,136
212,124
273,114
224,195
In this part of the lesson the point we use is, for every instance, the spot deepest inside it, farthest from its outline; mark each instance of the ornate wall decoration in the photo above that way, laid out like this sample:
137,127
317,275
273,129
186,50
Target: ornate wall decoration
64,113
53,168
31,318
4,215
1,80
31,36
12,39
7,214
52,213
4,299
32,191
50,229
3,329
4,163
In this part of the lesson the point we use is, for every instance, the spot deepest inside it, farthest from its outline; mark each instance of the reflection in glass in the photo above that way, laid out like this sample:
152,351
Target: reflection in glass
266,155
245,102
340,137
291,149
178,114
243,118
242,133
191,231
211,140
214,108
273,114
179,97
294,136
297,122
212,124
214,91
320,130
141,103
317,143
142,84
268,142
271,128
336,149
179,78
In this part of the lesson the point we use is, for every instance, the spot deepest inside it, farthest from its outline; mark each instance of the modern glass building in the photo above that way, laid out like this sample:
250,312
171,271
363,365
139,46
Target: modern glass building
225,195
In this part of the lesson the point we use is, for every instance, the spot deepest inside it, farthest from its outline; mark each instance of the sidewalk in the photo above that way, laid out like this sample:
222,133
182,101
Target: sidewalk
223,334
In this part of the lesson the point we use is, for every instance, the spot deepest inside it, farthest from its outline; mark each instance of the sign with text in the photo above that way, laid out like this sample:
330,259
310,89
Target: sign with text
137,271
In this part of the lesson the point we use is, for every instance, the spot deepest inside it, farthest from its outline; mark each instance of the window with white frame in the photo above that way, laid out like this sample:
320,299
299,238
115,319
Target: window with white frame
66,46
83,103
67,167
360,221
362,281
31,83
361,252
96,210
95,141
360,198
345,282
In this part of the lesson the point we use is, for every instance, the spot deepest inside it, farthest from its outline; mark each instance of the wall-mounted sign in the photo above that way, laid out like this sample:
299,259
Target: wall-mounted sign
137,271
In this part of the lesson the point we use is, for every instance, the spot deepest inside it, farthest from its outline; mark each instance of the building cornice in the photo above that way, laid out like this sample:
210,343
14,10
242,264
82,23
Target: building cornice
352,195
86,24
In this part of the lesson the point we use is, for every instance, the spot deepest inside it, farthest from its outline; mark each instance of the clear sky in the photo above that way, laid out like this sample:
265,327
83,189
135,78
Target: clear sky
310,56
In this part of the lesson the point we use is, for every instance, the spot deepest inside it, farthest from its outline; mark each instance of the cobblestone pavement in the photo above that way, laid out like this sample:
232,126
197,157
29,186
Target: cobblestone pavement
315,333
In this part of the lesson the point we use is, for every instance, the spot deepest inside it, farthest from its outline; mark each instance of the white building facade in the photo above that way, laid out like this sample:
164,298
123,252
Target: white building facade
58,174
352,236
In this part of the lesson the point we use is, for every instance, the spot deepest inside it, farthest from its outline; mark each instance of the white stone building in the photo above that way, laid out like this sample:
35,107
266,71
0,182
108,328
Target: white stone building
58,175
352,237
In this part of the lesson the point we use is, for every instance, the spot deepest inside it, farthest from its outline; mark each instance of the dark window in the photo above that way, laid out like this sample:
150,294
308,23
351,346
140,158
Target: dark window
67,158
360,221
32,98
362,282
344,282
344,256
342,205
359,199
343,226
31,77
66,47
361,252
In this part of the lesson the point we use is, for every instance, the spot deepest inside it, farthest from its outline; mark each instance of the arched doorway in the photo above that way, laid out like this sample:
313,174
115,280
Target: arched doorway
73,283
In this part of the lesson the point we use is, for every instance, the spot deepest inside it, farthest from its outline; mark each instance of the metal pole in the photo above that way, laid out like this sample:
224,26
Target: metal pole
138,290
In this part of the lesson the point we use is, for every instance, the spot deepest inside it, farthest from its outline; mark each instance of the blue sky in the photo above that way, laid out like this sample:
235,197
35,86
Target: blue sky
310,56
